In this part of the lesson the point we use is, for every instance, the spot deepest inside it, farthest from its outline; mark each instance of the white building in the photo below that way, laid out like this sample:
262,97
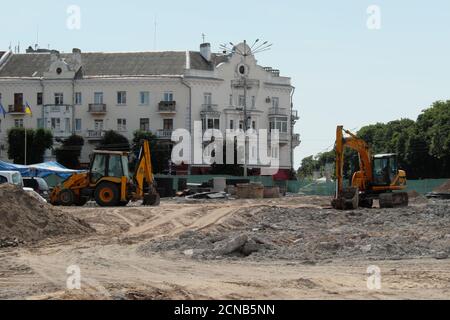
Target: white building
88,93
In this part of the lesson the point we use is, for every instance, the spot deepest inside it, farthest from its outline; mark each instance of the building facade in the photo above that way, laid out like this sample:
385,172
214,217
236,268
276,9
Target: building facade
89,93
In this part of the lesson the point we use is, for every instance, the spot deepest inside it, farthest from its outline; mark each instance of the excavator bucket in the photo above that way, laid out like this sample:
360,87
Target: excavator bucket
348,199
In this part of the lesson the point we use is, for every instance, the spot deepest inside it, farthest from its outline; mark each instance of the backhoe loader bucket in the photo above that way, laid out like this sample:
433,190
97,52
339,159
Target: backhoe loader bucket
348,199
151,199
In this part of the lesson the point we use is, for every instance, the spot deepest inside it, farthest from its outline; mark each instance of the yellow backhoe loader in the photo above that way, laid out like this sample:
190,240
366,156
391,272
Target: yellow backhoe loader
108,181
378,177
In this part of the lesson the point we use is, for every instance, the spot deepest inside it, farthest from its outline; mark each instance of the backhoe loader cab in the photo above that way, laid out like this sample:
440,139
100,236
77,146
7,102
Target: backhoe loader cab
108,164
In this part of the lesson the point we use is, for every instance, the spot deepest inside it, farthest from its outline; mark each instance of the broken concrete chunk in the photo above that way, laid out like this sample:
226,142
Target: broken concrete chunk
232,245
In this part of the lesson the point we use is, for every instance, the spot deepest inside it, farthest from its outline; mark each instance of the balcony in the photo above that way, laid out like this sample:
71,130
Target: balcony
168,107
16,110
210,110
295,117
164,134
94,135
296,140
57,133
283,137
273,112
97,108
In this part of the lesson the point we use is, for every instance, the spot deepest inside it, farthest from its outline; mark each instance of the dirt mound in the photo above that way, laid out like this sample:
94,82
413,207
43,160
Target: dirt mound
445,188
415,197
314,234
25,219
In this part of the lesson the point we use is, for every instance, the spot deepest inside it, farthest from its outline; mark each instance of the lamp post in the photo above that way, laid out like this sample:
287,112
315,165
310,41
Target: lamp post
246,51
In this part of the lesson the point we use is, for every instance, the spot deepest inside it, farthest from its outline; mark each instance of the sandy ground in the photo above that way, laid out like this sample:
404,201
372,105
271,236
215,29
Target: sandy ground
111,268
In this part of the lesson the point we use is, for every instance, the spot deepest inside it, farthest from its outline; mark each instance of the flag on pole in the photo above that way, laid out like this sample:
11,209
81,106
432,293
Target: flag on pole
28,109
2,110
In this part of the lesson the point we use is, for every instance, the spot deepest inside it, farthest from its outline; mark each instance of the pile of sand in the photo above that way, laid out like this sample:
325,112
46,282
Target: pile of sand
25,219
415,197
445,188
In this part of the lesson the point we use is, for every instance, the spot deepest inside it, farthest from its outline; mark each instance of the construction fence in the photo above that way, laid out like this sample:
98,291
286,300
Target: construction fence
307,187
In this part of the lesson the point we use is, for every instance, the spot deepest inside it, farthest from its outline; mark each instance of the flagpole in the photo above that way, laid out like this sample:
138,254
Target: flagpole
24,124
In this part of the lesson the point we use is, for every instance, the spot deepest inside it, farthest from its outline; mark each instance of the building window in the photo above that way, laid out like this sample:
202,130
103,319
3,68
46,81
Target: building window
18,101
231,124
241,125
98,125
254,125
231,99
56,124
121,97
98,97
279,123
211,124
275,102
242,101
144,98
40,123
78,98
121,124
168,124
59,99
18,123
253,101
39,99
78,125
67,125
168,96
144,124
207,98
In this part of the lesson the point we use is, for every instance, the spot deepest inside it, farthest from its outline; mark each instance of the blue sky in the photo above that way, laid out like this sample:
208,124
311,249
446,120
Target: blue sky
343,72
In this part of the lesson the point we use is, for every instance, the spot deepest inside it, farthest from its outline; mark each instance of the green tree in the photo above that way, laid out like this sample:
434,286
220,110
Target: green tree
113,140
38,141
69,153
161,151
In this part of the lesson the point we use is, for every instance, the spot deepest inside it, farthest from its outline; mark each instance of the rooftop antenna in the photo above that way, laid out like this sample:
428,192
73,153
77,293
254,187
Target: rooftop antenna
203,37
154,36
36,46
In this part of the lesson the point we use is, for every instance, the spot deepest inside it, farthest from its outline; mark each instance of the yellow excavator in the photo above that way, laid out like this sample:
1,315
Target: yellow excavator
108,181
378,177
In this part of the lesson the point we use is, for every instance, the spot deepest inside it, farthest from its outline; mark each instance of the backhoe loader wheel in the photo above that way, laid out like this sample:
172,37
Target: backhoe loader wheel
66,198
107,194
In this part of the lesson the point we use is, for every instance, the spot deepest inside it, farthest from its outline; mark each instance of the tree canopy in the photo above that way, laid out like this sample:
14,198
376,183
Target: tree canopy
69,153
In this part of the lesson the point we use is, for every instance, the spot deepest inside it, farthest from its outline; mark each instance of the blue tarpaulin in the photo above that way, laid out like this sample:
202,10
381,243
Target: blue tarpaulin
39,170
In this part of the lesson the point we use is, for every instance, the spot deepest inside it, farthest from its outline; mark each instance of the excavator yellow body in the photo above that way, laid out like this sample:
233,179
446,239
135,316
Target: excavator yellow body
378,176
108,181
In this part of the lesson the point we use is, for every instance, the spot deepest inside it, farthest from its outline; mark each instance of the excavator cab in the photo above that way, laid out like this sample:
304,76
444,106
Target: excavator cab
385,169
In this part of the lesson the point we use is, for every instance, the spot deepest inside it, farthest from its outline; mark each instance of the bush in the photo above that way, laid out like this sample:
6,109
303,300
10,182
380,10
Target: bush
69,153
38,141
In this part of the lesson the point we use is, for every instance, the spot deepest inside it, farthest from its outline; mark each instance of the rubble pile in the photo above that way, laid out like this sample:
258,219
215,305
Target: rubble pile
25,219
319,234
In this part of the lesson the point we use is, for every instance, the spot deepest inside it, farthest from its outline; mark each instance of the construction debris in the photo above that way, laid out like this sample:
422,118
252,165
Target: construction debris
315,234
24,219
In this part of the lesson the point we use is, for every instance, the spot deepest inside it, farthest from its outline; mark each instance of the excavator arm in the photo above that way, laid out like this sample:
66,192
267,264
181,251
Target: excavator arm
347,198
